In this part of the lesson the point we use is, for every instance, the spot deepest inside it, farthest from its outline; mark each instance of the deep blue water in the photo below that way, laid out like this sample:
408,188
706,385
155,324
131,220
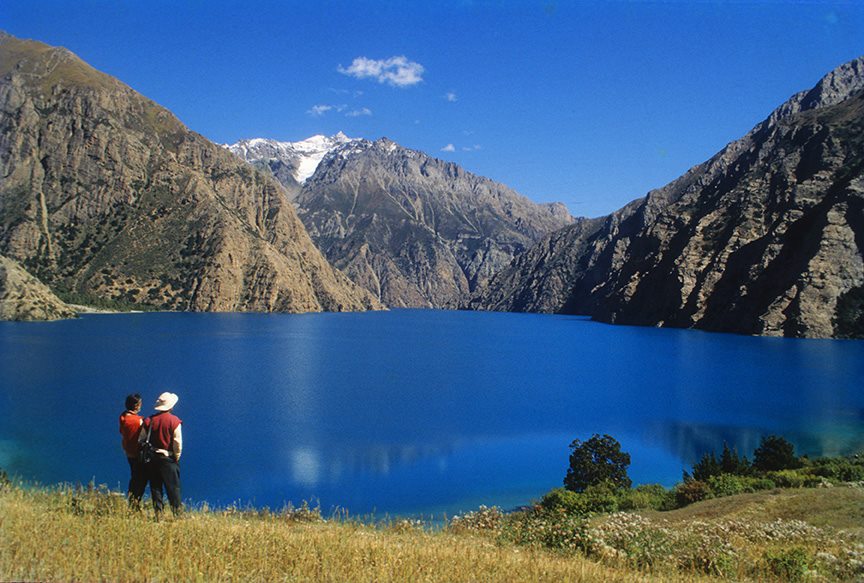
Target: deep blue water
409,411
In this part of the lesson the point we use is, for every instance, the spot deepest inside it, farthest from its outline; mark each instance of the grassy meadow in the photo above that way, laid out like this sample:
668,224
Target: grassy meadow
87,534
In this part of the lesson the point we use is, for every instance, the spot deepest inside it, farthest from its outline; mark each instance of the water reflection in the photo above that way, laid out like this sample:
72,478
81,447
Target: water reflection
305,467
840,435
310,466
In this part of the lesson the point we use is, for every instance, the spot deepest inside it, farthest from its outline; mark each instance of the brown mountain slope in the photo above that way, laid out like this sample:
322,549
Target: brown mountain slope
415,230
764,238
105,194
23,297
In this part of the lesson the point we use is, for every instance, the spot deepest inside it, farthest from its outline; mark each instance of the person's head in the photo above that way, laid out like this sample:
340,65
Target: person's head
166,401
133,402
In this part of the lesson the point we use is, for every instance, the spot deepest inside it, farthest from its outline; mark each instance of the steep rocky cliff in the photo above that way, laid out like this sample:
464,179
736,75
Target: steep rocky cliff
765,238
23,297
105,194
412,229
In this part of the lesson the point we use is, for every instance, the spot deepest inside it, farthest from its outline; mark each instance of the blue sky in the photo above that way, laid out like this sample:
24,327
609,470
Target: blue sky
589,103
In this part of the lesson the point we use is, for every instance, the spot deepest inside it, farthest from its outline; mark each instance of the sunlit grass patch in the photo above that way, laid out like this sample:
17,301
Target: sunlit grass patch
80,534
74,533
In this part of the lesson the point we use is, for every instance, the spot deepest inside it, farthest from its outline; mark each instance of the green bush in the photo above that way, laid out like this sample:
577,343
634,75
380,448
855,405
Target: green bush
653,496
691,491
562,501
812,480
598,498
756,484
788,564
837,469
729,485
602,497
726,485
788,479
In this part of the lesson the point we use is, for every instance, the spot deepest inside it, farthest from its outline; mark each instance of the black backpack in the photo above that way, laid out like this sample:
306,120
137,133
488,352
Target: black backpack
146,451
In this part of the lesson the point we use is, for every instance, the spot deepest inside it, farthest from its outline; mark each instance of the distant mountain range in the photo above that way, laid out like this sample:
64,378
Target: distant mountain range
765,238
105,195
412,229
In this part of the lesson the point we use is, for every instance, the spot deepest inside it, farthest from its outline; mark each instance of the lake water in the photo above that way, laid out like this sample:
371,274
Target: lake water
409,411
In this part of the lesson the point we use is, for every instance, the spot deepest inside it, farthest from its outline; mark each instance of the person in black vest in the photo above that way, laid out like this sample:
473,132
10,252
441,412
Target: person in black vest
163,429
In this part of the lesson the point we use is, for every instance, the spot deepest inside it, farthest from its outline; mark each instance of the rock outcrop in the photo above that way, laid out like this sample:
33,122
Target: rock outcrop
23,297
764,238
105,194
412,229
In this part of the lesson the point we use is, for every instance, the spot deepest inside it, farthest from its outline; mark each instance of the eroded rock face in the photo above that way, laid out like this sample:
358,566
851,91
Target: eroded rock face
414,230
105,194
764,238
25,298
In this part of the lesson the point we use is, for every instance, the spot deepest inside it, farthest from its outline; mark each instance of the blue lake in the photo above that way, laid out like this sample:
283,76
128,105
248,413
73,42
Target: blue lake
409,411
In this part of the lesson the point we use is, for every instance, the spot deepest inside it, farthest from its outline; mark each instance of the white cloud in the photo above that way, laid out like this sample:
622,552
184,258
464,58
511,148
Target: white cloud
322,108
473,148
359,112
395,71
319,110
451,97
449,148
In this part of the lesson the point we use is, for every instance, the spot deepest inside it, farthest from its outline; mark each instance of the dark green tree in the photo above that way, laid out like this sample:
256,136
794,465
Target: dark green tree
775,453
732,463
597,460
706,467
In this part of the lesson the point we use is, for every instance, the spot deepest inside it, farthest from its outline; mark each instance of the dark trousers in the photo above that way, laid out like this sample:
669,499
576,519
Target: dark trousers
165,472
137,482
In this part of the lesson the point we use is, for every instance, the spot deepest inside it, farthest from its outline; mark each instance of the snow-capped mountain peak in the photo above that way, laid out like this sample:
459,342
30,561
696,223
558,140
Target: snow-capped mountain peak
301,157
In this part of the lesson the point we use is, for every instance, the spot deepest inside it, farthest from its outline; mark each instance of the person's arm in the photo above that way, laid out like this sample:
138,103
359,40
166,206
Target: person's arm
177,442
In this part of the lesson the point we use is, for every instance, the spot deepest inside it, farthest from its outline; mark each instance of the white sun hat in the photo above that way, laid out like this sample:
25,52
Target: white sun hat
166,401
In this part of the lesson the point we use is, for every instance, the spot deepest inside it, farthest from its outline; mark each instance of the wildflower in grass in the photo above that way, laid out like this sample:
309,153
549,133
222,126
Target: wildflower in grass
483,520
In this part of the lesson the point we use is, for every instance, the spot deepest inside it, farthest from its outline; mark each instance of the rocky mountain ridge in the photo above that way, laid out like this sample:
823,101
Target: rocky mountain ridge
105,194
766,237
292,163
413,229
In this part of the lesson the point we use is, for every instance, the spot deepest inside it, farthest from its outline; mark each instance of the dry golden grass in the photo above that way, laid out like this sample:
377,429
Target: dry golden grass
49,536
73,535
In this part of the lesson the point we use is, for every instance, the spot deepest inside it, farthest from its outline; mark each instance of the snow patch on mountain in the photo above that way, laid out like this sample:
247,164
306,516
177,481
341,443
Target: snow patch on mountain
302,157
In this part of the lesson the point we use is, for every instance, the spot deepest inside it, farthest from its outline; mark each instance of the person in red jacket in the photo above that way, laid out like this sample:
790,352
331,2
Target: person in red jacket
163,430
130,429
